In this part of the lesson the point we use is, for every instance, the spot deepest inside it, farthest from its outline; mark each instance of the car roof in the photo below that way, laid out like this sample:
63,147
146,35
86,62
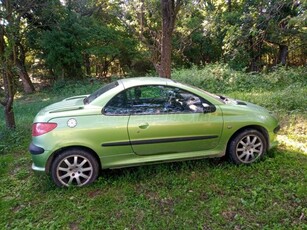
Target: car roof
130,82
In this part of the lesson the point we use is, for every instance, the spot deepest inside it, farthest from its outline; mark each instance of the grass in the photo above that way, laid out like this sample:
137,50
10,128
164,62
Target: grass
202,194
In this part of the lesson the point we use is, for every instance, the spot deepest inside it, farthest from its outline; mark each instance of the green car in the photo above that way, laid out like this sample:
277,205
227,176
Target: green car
138,121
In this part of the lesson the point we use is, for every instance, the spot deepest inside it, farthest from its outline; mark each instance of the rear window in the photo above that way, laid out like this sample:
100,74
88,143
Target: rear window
99,92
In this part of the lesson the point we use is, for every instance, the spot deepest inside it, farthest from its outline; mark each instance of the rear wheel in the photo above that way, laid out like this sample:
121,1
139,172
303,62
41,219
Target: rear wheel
247,147
74,167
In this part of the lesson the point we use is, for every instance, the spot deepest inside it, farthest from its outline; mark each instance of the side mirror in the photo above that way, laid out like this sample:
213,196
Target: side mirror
208,108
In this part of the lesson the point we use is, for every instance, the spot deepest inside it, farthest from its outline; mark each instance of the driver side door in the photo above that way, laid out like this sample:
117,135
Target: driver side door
166,120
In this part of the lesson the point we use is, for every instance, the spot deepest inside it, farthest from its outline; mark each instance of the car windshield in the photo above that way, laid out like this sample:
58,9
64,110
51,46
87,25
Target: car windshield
99,92
220,98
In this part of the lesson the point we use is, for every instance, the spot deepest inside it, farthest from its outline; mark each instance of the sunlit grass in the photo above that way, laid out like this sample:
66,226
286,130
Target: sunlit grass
293,143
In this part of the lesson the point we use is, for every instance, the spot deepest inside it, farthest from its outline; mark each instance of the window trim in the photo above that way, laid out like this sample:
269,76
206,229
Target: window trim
93,96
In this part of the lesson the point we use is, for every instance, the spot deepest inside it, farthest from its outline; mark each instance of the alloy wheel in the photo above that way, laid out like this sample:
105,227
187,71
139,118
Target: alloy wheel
74,170
249,148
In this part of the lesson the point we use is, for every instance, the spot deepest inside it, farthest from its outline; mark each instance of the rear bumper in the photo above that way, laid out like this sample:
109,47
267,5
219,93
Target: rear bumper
35,150
40,157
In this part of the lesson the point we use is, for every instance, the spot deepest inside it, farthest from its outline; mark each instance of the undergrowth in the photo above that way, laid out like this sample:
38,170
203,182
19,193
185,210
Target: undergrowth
283,90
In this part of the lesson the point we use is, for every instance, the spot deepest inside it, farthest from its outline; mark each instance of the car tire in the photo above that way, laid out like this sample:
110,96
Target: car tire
74,167
247,147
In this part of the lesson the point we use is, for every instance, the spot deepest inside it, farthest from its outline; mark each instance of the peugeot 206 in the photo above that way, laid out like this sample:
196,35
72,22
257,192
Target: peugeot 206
138,121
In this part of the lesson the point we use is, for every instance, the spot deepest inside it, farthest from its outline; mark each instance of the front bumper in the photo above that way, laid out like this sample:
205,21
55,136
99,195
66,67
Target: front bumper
276,129
38,170
273,144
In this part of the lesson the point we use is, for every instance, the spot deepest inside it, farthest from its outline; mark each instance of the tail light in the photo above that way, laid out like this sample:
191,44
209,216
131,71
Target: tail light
42,128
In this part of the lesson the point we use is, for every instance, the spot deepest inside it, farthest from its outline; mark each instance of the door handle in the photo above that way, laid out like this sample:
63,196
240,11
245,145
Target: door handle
144,125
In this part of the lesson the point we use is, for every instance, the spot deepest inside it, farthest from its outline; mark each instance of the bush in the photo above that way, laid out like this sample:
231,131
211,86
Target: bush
281,90
221,78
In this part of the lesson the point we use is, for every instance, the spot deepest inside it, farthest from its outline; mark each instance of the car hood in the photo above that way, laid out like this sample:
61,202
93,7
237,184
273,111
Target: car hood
243,106
250,106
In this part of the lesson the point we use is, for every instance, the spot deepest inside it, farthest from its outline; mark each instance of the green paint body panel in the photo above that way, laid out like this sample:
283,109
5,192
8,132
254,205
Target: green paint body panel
127,140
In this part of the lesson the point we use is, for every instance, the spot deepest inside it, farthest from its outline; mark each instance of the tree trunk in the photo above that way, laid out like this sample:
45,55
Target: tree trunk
105,68
23,73
97,70
229,6
9,99
166,52
169,14
7,60
255,53
87,64
28,86
283,53
9,116
8,85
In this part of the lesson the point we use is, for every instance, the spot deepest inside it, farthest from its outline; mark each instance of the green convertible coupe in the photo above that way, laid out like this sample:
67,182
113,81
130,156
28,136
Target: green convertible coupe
138,121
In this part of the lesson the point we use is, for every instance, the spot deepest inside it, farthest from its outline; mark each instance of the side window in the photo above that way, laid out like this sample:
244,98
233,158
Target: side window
181,101
147,99
118,105
154,100
163,100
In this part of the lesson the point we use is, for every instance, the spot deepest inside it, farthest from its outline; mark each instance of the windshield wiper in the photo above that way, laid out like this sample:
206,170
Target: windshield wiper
223,98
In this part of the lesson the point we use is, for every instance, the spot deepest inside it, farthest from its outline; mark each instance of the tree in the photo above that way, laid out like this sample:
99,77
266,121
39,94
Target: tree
195,43
14,13
153,22
110,47
253,30
170,9
279,30
13,24
62,46
8,59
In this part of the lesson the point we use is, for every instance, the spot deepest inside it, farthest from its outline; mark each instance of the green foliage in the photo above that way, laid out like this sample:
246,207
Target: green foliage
63,45
71,38
116,37
284,89
107,45
253,33
70,88
193,42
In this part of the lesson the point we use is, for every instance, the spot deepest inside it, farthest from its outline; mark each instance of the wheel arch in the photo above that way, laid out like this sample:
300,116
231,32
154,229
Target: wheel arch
61,150
259,128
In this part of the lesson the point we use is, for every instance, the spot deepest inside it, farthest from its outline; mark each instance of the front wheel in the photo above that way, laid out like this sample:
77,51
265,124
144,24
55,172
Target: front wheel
247,147
74,167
